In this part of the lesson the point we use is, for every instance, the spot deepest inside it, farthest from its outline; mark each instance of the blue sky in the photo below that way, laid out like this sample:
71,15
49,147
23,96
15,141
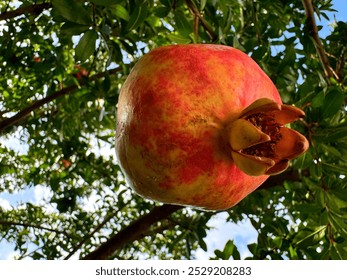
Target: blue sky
341,15
242,233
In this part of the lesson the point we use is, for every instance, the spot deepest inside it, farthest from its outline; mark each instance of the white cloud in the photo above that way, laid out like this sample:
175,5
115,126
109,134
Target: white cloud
100,147
42,194
5,204
17,142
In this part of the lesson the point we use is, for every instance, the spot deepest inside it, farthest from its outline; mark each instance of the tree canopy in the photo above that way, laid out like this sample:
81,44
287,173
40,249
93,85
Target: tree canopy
62,65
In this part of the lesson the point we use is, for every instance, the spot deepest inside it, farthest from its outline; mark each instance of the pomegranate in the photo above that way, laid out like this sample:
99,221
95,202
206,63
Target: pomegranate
202,125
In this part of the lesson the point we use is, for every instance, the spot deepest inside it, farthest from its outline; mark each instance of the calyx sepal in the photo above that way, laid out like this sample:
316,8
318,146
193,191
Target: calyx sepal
260,143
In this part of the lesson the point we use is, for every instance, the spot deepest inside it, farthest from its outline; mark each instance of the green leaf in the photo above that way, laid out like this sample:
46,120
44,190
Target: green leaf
182,24
70,28
316,170
121,12
228,249
253,248
338,223
308,237
115,53
259,53
72,11
86,46
333,103
162,11
167,3
332,135
203,245
318,100
137,17
179,39
219,254
340,197
106,84
334,152
306,208
202,4
337,253
335,168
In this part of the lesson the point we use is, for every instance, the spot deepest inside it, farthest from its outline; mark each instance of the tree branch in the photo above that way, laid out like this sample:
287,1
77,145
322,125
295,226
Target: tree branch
313,31
11,223
5,123
134,231
32,9
84,240
195,11
139,228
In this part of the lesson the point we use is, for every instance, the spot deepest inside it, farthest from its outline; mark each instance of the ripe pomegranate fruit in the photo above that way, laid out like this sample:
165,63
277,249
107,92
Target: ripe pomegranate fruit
202,125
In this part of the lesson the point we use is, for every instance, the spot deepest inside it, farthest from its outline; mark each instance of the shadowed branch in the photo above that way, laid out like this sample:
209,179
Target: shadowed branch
313,31
32,9
134,231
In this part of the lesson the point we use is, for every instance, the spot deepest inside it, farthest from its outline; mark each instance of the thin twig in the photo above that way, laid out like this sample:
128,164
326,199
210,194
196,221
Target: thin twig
11,223
196,28
313,30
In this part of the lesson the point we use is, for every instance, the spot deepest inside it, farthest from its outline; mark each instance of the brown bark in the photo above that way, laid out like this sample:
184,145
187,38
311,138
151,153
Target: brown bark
32,9
313,31
134,231
139,228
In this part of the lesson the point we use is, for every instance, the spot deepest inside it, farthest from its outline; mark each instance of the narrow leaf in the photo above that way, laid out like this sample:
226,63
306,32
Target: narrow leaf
228,249
202,4
318,100
333,103
70,28
86,46
137,17
335,168
179,39
304,236
121,12
332,135
182,24
72,11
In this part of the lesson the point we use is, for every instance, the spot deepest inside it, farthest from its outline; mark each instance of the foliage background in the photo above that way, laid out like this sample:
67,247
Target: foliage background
62,64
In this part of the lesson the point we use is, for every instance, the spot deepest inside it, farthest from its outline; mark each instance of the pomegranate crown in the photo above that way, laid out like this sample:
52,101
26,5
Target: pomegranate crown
259,141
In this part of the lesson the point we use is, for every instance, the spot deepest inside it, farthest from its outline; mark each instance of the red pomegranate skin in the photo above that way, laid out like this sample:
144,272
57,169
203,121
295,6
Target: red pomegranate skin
171,118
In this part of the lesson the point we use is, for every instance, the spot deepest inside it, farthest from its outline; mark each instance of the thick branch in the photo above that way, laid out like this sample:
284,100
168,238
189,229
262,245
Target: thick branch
134,231
32,9
313,30
5,123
